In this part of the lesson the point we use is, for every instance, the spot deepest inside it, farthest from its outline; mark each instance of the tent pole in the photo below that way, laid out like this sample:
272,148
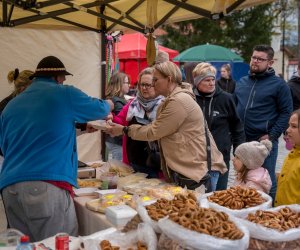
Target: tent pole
103,72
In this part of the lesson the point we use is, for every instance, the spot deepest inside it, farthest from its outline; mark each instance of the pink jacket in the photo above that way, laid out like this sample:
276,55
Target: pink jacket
257,178
121,119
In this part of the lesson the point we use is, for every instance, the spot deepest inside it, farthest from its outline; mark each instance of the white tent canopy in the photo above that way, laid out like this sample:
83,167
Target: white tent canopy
120,14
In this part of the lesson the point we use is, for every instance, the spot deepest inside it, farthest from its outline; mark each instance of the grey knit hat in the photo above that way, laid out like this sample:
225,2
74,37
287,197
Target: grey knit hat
253,154
199,78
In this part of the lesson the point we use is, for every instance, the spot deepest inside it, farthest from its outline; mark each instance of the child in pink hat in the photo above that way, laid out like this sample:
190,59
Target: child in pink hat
248,161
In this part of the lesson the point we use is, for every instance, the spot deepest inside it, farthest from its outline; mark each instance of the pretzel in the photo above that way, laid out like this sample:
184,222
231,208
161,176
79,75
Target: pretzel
183,210
207,221
141,246
106,245
237,198
285,211
282,220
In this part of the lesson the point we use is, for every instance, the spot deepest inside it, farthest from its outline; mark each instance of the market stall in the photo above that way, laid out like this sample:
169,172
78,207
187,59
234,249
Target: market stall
150,214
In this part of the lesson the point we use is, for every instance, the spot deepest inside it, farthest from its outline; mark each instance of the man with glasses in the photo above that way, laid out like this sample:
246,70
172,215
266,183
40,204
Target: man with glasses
264,104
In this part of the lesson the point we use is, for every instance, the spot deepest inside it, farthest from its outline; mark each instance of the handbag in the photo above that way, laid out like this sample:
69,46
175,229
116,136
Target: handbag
183,181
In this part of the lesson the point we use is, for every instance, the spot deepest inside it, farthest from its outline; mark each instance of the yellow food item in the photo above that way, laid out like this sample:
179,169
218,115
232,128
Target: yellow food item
82,183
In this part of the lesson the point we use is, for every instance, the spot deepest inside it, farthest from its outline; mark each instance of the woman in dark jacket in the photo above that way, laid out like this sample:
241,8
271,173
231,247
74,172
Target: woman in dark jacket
226,82
220,113
21,81
117,87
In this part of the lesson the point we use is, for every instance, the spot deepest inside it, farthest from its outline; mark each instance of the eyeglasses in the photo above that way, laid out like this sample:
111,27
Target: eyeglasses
259,59
146,86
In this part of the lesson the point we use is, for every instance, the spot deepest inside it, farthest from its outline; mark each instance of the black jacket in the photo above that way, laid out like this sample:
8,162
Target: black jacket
227,85
142,153
222,118
5,101
294,84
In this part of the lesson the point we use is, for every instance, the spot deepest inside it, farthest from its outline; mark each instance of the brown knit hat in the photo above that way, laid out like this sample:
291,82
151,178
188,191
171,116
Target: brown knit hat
50,66
253,154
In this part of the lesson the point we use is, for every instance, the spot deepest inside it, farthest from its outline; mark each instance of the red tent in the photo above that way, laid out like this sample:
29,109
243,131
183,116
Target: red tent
132,54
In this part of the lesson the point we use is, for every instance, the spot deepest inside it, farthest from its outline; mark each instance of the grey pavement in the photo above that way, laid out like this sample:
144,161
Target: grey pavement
282,153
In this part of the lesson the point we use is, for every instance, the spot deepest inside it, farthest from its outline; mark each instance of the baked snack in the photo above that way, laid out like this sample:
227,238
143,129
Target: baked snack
237,198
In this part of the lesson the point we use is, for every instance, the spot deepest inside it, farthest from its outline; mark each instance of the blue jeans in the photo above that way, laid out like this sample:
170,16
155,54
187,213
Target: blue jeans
223,179
115,150
214,179
270,164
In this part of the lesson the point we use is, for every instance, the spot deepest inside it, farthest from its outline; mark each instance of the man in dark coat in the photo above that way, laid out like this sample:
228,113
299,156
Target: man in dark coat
294,84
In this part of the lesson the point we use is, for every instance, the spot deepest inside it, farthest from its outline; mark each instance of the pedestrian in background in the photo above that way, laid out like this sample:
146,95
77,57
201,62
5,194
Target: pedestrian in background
226,82
220,113
294,84
117,87
21,81
264,104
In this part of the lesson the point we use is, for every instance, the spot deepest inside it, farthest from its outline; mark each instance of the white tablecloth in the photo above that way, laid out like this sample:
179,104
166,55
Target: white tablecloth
89,222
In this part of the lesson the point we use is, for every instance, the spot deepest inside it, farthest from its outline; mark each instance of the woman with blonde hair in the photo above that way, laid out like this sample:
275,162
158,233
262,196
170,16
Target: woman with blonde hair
117,87
226,82
221,116
179,128
21,81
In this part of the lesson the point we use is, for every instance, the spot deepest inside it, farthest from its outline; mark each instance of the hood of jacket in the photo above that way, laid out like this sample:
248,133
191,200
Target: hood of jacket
261,177
184,88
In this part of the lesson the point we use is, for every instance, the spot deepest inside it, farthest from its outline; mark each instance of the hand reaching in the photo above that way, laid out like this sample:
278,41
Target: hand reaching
90,128
114,129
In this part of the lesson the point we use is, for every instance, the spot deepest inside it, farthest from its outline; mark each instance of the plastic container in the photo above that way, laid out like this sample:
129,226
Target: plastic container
120,215
109,181
10,237
24,243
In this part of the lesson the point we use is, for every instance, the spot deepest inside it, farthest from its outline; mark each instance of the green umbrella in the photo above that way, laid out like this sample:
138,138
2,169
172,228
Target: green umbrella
208,53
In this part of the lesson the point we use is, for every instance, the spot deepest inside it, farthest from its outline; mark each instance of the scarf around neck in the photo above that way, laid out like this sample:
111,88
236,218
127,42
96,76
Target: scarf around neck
139,106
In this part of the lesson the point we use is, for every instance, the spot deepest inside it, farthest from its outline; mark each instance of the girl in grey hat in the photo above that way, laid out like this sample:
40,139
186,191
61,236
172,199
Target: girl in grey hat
248,161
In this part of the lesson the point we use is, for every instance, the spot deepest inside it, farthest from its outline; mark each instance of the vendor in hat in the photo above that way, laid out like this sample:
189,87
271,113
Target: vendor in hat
51,66
37,138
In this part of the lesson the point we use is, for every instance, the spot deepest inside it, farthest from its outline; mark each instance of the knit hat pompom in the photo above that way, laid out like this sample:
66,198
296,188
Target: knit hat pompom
267,143
253,154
